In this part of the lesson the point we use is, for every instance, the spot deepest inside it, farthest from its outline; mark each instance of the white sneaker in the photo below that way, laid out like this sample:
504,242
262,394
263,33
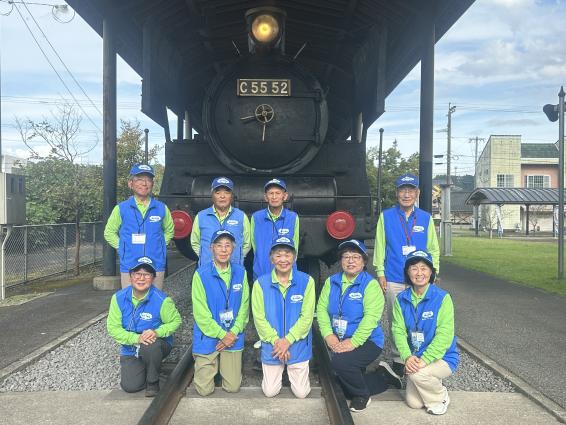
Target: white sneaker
440,408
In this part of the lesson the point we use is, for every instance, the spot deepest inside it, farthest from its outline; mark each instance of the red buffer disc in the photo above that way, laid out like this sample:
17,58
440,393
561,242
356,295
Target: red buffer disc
340,225
183,224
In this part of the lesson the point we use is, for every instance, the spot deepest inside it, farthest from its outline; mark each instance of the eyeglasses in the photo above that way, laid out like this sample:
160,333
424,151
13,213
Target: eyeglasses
140,275
146,179
354,257
409,190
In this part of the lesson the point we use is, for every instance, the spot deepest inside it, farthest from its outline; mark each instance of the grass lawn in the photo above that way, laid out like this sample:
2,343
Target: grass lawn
525,262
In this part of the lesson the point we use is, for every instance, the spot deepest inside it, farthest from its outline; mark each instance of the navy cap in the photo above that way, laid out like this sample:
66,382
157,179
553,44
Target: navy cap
283,241
142,169
354,244
222,182
407,180
222,233
146,262
275,182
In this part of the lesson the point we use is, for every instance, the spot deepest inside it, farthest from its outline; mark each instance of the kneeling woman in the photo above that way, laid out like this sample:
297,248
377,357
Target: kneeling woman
348,313
423,330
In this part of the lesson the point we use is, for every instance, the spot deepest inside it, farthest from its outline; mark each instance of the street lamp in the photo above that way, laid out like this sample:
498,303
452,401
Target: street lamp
556,112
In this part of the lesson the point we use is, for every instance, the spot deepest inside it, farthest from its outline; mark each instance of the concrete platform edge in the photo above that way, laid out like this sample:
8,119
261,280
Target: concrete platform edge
525,388
41,351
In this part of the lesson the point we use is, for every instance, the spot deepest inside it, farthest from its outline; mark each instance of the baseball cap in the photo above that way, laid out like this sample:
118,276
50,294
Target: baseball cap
142,169
222,182
275,182
354,244
283,241
146,263
222,233
407,179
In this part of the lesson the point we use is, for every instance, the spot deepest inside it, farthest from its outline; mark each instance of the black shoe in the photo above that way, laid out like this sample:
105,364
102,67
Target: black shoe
392,378
359,403
151,390
217,380
257,366
399,369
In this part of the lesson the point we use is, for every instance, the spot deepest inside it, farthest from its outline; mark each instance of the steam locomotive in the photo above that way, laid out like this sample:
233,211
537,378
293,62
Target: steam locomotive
268,115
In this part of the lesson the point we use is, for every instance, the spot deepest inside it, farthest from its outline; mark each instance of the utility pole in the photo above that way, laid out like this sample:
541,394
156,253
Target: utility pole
379,172
446,231
476,208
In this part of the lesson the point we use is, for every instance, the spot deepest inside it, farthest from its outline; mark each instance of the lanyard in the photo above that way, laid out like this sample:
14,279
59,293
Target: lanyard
343,297
228,291
274,224
408,235
415,311
222,221
140,225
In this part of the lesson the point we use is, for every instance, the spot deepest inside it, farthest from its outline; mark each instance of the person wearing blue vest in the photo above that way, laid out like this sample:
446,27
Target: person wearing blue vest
271,223
221,216
220,295
143,319
401,230
423,329
140,226
283,308
349,312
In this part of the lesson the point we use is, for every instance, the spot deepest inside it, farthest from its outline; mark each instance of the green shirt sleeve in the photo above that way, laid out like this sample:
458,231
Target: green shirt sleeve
115,328
113,227
170,319
303,324
444,334
296,236
265,331
168,225
195,237
247,241
432,245
373,309
399,331
201,312
244,311
322,317
379,248
252,232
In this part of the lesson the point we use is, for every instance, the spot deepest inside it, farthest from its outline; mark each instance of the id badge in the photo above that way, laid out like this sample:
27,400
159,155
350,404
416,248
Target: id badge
407,249
226,317
138,238
417,339
339,325
137,350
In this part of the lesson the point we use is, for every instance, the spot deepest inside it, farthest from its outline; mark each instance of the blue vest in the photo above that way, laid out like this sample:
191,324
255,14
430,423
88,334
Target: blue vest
147,315
350,305
397,231
219,298
426,316
265,232
151,225
208,224
282,313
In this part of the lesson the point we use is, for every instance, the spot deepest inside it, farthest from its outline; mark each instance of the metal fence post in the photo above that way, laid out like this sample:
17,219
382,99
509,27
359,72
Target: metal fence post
65,247
25,253
93,243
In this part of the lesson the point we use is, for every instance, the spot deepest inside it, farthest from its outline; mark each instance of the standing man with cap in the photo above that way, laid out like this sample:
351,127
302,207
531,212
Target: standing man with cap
143,319
221,216
283,303
220,295
271,223
140,226
401,230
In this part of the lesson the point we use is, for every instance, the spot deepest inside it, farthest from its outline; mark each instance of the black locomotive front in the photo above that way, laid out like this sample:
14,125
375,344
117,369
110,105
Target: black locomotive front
267,116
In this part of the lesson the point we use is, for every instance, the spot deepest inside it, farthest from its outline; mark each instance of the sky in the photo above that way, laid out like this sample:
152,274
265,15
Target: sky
499,64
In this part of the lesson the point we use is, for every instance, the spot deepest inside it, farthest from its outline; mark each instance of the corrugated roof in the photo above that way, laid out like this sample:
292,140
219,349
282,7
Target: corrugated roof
458,202
517,196
539,150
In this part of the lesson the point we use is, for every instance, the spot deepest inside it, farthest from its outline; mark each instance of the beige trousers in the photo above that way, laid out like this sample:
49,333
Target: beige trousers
298,377
158,281
206,368
393,289
425,388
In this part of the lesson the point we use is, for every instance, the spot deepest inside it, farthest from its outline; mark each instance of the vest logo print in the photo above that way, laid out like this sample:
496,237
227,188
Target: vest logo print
232,222
355,296
427,314
146,316
237,287
296,298
283,231
154,218
418,229
145,260
223,180
144,167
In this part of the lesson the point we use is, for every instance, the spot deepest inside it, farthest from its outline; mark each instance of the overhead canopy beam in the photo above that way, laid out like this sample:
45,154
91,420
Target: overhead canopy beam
513,196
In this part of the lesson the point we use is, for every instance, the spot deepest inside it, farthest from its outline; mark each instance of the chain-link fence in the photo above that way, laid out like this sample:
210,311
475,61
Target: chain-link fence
34,252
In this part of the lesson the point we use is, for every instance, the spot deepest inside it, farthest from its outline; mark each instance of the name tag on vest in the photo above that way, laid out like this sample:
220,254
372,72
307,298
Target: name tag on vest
138,238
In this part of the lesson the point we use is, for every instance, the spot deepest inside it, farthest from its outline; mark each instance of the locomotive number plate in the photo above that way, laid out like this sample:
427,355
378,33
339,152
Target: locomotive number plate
263,87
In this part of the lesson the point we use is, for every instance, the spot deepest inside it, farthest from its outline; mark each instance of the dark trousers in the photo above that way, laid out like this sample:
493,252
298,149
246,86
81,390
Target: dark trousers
350,368
137,372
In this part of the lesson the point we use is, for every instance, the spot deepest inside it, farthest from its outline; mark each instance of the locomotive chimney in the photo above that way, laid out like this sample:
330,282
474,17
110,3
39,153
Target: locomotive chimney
266,30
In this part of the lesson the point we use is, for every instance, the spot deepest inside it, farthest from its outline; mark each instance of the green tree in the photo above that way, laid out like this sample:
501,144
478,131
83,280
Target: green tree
130,150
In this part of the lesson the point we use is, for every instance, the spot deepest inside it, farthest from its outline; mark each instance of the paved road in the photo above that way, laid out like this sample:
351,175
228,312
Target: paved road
523,329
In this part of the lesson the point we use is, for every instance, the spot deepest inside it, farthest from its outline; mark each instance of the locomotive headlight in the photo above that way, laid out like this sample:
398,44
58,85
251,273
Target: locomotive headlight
265,28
